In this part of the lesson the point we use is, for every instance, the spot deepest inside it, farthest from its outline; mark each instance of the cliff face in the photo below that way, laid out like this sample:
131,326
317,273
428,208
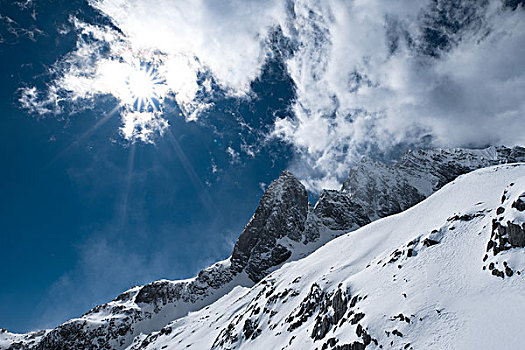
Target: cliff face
283,228
281,213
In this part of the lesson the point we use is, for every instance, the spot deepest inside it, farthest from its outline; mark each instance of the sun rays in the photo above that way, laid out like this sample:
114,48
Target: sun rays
141,103
145,88
140,91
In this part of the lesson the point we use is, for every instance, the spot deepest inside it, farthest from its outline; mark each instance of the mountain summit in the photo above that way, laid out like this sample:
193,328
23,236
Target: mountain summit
285,228
281,215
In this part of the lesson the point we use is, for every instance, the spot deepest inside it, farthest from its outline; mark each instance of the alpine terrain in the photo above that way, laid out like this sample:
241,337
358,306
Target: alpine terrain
424,253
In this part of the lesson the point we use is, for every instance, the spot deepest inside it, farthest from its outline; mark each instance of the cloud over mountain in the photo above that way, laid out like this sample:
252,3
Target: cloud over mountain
370,76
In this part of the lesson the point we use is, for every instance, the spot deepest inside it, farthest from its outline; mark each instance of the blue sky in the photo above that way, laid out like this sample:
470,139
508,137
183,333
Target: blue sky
99,194
86,214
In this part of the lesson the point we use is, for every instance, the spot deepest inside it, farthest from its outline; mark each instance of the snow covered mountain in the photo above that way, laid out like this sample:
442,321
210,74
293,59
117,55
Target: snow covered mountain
345,294
422,279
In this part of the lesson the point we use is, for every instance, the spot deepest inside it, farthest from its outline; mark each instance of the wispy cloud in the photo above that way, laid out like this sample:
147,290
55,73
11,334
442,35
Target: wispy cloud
105,268
109,264
370,76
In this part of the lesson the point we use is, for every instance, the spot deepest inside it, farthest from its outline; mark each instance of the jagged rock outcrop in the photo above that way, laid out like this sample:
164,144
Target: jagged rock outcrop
507,232
336,210
281,213
375,190
139,310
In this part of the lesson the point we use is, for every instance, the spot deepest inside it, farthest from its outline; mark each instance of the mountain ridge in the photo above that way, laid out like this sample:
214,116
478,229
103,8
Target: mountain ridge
283,228
415,280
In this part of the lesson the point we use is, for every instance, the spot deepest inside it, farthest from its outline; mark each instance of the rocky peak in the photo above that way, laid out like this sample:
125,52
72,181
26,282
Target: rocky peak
281,214
384,190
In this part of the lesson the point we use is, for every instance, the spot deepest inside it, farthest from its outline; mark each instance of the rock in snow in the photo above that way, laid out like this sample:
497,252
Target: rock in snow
438,275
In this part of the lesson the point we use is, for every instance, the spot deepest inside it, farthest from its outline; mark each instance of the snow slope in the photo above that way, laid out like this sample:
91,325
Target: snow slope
415,280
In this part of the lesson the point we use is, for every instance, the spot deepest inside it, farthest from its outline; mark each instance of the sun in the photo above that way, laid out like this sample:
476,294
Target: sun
144,84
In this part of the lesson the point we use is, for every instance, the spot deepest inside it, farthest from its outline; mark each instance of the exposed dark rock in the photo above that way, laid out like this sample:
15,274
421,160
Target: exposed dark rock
321,327
506,236
331,311
398,333
359,330
353,301
508,271
338,212
339,303
466,217
401,317
354,346
281,213
498,273
156,292
367,339
363,334
519,204
330,343
248,329
357,317
516,234
490,245
227,336
396,254
429,242
306,309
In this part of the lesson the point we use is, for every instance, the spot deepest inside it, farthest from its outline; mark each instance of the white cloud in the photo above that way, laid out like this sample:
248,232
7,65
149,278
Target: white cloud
366,74
354,93
226,39
142,126
184,43
90,71
234,155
